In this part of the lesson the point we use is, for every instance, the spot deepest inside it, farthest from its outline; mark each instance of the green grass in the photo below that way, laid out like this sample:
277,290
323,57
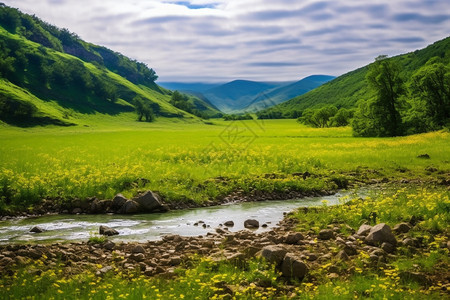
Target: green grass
181,158
430,205
203,279
391,204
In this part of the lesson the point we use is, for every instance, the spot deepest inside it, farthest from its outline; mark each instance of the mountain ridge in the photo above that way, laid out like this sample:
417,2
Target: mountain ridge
241,96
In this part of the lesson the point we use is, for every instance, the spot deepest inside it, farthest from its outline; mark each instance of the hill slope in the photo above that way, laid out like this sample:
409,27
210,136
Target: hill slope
237,94
51,74
346,90
287,92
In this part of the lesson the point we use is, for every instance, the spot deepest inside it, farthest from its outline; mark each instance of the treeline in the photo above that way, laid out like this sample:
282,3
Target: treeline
276,114
400,105
403,106
187,103
35,69
235,117
327,116
62,40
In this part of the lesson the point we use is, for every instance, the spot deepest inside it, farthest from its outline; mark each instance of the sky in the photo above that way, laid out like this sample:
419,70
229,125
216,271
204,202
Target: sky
263,40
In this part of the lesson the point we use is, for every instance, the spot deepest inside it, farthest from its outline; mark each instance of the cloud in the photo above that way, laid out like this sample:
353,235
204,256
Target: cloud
407,40
217,40
276,64
416,17
194,6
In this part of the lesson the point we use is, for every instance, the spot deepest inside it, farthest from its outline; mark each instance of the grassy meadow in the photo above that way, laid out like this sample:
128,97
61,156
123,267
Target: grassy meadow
180,159
183,160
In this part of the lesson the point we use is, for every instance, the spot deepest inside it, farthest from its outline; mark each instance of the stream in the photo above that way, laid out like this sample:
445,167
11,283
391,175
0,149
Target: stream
144,227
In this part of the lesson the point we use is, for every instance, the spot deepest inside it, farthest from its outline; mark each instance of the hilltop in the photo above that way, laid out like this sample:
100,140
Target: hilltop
49,75
348,89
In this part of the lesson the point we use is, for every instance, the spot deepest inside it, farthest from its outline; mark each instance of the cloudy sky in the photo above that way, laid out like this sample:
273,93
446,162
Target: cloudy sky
220,40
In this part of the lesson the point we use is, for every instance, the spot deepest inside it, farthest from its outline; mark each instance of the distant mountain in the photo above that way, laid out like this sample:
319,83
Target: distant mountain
50,76
188,87
238,94
284,93
348,89
248,96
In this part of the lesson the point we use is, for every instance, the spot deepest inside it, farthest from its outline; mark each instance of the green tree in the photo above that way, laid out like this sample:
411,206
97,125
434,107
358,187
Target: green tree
143,109
364,123
384,79
6,60
341,118
431,85
9,18
320,117
182,102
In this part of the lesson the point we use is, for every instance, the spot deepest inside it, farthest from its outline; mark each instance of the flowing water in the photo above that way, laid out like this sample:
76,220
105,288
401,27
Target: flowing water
152,226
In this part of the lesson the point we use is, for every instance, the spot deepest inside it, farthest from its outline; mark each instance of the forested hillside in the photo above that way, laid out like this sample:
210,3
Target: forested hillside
49,75
346,90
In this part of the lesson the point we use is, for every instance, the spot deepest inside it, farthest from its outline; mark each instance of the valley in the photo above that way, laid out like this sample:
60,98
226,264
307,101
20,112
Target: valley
116,184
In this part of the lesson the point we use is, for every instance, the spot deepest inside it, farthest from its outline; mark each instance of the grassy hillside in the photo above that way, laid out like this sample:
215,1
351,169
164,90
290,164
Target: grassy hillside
51,76
346,90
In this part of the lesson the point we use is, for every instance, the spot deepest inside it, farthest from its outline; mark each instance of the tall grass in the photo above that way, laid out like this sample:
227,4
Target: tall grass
179,158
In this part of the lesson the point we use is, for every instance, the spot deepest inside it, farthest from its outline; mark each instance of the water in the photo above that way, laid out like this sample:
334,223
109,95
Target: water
152,226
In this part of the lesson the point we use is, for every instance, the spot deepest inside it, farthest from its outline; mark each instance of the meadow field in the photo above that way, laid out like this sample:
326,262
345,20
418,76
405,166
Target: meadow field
182,159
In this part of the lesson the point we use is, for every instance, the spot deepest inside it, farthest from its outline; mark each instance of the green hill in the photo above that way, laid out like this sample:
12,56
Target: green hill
346,90
237,94
287,92
50,76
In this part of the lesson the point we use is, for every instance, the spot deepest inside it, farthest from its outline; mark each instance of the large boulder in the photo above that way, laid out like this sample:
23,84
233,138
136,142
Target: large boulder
37,229
229,223
251,223
96,207
363,230
402,228
379,234
150,202
274,254
293,238
293,267
109,245
118,201
130,207
138,249
108,231
326,234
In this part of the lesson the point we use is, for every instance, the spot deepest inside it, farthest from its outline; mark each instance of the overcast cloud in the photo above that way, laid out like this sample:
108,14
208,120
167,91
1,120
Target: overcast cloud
220,40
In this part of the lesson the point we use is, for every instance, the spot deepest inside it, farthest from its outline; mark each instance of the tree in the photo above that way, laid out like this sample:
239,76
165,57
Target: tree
384,79
431,85
6,60
9,18
364,123
341,118
320,117
182,102
143,109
